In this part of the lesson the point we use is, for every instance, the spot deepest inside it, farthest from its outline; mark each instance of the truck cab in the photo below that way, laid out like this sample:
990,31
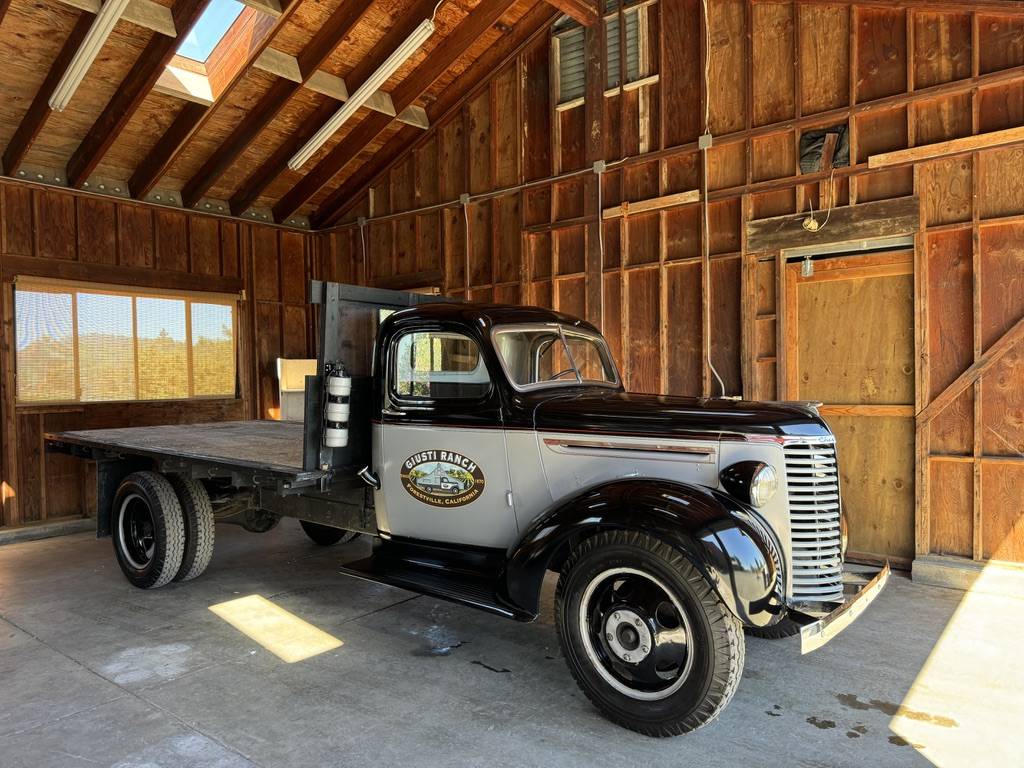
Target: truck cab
485,446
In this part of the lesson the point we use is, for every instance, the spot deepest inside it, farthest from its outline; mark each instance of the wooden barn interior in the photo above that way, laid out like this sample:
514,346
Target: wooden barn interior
760,200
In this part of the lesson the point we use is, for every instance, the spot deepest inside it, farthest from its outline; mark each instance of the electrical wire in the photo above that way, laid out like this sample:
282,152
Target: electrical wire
600,243
705,212
434,14
465,218
362,240
707,68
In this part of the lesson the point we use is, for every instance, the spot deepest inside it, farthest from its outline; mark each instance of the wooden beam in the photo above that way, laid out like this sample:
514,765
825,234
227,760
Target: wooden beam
947,148
254,185
594,111
340,24
130,94
142,13
39,110
654,204
448,102
579,10
4,6
864,221
986,360
456,43
272,7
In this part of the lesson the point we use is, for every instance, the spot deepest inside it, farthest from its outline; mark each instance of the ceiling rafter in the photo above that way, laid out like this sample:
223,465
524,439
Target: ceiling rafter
273,166
582,11
192,119
498,56
143,13
39,110
130,94
312,57
455,44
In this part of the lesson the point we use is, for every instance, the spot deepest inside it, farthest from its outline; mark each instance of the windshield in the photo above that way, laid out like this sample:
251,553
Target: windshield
548,354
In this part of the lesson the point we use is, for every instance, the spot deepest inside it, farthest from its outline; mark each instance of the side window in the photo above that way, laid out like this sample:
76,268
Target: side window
438,365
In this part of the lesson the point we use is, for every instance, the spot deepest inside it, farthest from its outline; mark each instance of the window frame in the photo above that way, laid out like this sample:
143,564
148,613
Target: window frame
563,331
72,288
644,65
414,400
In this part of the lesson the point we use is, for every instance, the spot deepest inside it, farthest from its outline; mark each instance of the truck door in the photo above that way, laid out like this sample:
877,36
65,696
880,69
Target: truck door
440,449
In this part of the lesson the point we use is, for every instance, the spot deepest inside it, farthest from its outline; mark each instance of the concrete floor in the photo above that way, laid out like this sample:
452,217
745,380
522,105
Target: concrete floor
96,672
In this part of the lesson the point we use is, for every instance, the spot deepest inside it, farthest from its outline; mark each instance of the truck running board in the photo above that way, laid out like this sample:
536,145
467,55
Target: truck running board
475,590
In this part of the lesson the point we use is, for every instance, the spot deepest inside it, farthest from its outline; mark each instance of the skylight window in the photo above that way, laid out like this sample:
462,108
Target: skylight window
210,29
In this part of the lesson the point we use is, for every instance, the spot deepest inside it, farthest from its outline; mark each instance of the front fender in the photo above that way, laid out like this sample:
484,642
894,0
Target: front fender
711,529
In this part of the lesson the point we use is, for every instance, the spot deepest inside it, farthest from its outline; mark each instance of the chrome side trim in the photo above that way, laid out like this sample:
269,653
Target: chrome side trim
699,454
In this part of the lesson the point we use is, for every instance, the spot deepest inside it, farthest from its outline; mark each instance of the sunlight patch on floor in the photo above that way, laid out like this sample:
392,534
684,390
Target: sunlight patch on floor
965,707
282,633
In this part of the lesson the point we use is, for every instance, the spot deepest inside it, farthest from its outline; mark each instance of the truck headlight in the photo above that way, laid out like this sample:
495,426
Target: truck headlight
751,481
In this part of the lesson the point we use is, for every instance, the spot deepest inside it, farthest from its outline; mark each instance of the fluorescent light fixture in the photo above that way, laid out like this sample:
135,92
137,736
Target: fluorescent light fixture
97,35
401,55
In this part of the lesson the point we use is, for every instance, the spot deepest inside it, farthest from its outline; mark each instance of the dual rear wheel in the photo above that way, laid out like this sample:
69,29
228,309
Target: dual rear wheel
163,529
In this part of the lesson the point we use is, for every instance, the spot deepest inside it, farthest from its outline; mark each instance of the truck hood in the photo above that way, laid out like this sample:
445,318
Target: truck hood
626,413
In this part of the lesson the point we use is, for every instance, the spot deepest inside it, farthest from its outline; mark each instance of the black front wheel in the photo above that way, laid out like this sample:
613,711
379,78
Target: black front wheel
785,628
326,535
645,636
148,530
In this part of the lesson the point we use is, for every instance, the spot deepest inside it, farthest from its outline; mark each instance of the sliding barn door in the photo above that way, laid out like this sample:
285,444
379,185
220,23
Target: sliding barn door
849,342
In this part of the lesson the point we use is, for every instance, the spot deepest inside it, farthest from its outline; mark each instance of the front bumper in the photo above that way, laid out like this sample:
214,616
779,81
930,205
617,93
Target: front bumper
818,632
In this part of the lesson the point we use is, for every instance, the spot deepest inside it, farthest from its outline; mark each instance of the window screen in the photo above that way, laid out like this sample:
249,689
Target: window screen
438,365
79,343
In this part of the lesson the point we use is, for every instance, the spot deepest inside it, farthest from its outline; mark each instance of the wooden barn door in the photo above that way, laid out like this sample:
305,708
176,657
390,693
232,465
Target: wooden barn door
849,342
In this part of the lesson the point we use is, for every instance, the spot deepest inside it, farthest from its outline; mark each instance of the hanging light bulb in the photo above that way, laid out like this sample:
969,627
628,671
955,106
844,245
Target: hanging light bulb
807,268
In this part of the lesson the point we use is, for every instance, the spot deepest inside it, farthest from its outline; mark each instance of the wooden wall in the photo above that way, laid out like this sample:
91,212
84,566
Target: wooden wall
900,75
56,233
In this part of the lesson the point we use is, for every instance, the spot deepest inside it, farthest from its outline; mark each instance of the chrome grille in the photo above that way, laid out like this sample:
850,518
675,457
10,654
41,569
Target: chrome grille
812,479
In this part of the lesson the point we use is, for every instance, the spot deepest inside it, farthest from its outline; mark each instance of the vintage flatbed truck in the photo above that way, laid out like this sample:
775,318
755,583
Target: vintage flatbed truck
484,446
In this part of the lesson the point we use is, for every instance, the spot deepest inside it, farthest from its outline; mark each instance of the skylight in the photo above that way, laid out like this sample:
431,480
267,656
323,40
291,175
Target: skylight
210,29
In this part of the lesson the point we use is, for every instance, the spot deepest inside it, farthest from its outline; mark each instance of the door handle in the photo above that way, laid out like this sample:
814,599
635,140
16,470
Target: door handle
391,412
369,477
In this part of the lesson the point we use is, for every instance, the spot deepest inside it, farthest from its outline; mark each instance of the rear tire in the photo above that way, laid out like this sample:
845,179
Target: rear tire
326,535
148,530
199,526
646,638
785,628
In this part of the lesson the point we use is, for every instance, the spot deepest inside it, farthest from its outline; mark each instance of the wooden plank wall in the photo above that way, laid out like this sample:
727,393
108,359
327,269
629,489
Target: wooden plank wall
898,75
57,233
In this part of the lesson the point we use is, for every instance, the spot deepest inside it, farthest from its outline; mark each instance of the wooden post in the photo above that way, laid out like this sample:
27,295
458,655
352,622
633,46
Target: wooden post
593,106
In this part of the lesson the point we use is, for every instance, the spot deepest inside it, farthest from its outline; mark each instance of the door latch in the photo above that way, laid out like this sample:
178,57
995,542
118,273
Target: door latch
369,477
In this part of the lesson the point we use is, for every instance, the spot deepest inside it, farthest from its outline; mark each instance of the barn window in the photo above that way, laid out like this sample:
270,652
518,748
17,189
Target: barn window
631,66
80,342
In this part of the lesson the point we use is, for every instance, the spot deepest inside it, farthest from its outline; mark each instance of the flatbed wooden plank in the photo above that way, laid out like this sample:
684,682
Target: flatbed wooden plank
274,447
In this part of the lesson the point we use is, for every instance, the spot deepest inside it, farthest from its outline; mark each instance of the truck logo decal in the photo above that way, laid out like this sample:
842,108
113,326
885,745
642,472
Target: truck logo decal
442,478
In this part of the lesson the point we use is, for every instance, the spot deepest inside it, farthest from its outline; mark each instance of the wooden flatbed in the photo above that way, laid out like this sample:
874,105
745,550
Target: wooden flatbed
268,448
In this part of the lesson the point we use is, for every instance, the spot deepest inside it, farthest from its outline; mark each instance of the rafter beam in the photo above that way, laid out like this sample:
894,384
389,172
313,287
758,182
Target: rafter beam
455,44
143,13
39,110
583,11
4,6
257,181
191,120
313,56
130,94
498,56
